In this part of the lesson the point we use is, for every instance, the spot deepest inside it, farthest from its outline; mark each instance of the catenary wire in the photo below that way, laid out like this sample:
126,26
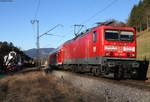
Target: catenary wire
100,11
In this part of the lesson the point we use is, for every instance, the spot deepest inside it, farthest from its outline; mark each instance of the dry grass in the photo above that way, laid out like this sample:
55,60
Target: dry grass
37,87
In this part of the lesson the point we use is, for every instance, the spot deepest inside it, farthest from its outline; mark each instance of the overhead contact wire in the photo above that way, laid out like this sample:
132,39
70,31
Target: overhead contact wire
102,10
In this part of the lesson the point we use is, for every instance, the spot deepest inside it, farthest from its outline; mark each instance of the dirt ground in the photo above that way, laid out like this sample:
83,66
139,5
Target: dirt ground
38,87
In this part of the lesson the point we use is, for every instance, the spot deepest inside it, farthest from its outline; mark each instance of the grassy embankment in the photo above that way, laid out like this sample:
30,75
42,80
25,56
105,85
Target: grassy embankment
38,87
143,45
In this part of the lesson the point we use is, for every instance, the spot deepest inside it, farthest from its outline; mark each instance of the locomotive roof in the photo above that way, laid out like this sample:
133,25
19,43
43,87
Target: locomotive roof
106,23
87,31
79,35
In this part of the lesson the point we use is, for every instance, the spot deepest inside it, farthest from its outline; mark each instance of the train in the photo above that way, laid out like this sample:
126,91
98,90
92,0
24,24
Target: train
11,62
14,61
102,50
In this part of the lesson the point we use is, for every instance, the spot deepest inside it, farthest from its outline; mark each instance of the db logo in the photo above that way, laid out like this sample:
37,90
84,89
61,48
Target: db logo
120,49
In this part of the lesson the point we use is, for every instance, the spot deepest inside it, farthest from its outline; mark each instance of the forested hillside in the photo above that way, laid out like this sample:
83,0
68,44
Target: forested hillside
140,16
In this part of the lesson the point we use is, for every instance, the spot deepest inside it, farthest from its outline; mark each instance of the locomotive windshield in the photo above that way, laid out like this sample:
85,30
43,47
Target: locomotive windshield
118,35
126,36
111,35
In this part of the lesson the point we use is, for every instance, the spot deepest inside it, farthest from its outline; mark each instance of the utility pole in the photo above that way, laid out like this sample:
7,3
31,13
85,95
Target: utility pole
39,36
38,44
37,40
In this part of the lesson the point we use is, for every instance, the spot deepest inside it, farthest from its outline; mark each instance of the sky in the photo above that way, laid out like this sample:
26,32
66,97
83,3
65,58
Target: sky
16,16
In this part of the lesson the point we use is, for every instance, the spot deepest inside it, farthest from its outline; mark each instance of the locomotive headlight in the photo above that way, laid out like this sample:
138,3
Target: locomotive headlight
112,48
133,54
107,53
128,48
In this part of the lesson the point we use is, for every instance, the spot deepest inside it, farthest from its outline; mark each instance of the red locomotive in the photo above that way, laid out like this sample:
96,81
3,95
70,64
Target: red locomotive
101,50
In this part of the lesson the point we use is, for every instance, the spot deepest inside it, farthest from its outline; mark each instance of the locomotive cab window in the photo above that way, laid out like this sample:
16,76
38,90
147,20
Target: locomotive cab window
94,36
111,35
126,36
119,35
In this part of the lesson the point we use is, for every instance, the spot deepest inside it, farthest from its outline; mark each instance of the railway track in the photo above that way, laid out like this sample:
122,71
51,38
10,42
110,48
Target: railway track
108,89
137,84
140,84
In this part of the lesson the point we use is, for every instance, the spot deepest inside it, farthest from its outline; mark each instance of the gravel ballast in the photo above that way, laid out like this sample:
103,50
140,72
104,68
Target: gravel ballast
105,91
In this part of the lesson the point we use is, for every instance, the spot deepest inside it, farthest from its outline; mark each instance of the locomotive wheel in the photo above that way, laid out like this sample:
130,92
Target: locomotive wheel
118,73
134,74
73,69
95,72
77,69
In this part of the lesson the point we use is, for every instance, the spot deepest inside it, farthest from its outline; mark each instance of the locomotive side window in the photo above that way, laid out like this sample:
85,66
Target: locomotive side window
94,36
